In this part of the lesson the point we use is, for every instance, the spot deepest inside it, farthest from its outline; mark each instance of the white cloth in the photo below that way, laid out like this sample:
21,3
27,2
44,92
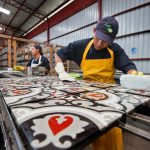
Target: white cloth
35,65
137,82
63,75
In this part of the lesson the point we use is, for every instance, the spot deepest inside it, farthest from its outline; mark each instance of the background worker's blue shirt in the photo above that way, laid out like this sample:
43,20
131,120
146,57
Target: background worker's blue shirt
74,51
44,60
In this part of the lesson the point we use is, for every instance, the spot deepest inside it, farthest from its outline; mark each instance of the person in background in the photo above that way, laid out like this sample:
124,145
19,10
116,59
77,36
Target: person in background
38,59
98,57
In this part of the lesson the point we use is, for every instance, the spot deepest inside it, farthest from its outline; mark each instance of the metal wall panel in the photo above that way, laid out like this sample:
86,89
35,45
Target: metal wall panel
42,37
141,43
134,21
110,7
84,17
80,34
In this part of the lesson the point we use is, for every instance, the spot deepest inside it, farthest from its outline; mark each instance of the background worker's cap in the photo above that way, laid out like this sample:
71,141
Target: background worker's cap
107,29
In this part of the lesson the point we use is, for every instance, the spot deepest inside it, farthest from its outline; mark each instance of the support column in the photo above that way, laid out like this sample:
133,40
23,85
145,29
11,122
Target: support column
99,9
9,53
48,31
14,44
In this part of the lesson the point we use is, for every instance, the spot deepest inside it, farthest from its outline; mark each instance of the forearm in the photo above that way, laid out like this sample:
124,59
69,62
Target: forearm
63,75
57,58
122,61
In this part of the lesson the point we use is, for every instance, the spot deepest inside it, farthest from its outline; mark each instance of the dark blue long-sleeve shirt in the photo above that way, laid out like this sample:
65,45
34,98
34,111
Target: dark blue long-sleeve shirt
44,60
74,51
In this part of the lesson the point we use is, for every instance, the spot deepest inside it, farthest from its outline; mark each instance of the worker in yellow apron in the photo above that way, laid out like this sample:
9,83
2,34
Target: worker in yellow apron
100,68
112,140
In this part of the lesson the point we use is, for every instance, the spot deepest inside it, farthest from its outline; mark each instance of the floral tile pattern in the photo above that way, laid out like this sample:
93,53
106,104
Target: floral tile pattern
59,115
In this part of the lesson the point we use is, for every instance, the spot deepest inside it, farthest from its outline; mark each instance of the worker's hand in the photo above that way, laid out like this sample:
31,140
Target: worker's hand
134,72
135,82
19,68
63,75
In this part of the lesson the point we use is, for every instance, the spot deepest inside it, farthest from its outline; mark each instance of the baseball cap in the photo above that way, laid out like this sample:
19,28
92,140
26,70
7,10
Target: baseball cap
107,29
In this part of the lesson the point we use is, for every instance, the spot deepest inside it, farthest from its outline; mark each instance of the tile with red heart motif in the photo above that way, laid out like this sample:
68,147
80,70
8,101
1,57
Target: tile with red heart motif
63,126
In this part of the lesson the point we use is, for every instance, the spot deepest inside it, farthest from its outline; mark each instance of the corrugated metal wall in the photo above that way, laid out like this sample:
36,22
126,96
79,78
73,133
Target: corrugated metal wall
77,35
87,16
130,22
42,37
137,20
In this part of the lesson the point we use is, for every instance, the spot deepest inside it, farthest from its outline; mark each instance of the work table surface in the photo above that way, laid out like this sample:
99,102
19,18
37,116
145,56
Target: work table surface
51,114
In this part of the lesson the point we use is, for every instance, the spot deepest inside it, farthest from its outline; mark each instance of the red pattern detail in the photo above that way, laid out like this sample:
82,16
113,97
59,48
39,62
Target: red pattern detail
99,95
56,127
19,92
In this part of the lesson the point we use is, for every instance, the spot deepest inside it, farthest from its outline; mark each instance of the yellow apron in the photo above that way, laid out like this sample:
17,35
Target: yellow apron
102,70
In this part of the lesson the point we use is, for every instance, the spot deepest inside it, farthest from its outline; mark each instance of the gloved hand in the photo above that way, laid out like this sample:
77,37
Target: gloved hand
136,82
63,75
19,68
134,72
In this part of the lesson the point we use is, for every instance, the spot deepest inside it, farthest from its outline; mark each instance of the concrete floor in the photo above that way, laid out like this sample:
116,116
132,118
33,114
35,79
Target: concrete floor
131,142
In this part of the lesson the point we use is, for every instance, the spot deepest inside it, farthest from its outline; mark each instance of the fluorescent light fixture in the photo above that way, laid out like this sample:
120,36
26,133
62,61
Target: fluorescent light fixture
1,28
5,11
60,8
33,28
25,34
49,16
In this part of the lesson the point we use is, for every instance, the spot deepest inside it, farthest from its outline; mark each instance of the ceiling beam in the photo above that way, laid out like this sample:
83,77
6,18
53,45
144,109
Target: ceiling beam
11,28
16,38
14,15
47,16
24,8
29,8
30,15
5,36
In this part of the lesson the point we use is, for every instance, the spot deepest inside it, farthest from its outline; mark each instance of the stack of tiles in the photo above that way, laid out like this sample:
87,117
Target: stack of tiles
52,114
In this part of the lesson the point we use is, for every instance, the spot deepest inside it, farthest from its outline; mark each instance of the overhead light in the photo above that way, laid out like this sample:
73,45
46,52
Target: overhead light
60,8
25,34
33,28
49,16
1,28
5,11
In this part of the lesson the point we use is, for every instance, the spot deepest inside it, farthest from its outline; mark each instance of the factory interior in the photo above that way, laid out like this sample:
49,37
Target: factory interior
74,74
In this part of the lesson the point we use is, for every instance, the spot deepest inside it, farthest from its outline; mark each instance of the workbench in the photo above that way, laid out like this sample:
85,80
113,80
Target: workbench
45,113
